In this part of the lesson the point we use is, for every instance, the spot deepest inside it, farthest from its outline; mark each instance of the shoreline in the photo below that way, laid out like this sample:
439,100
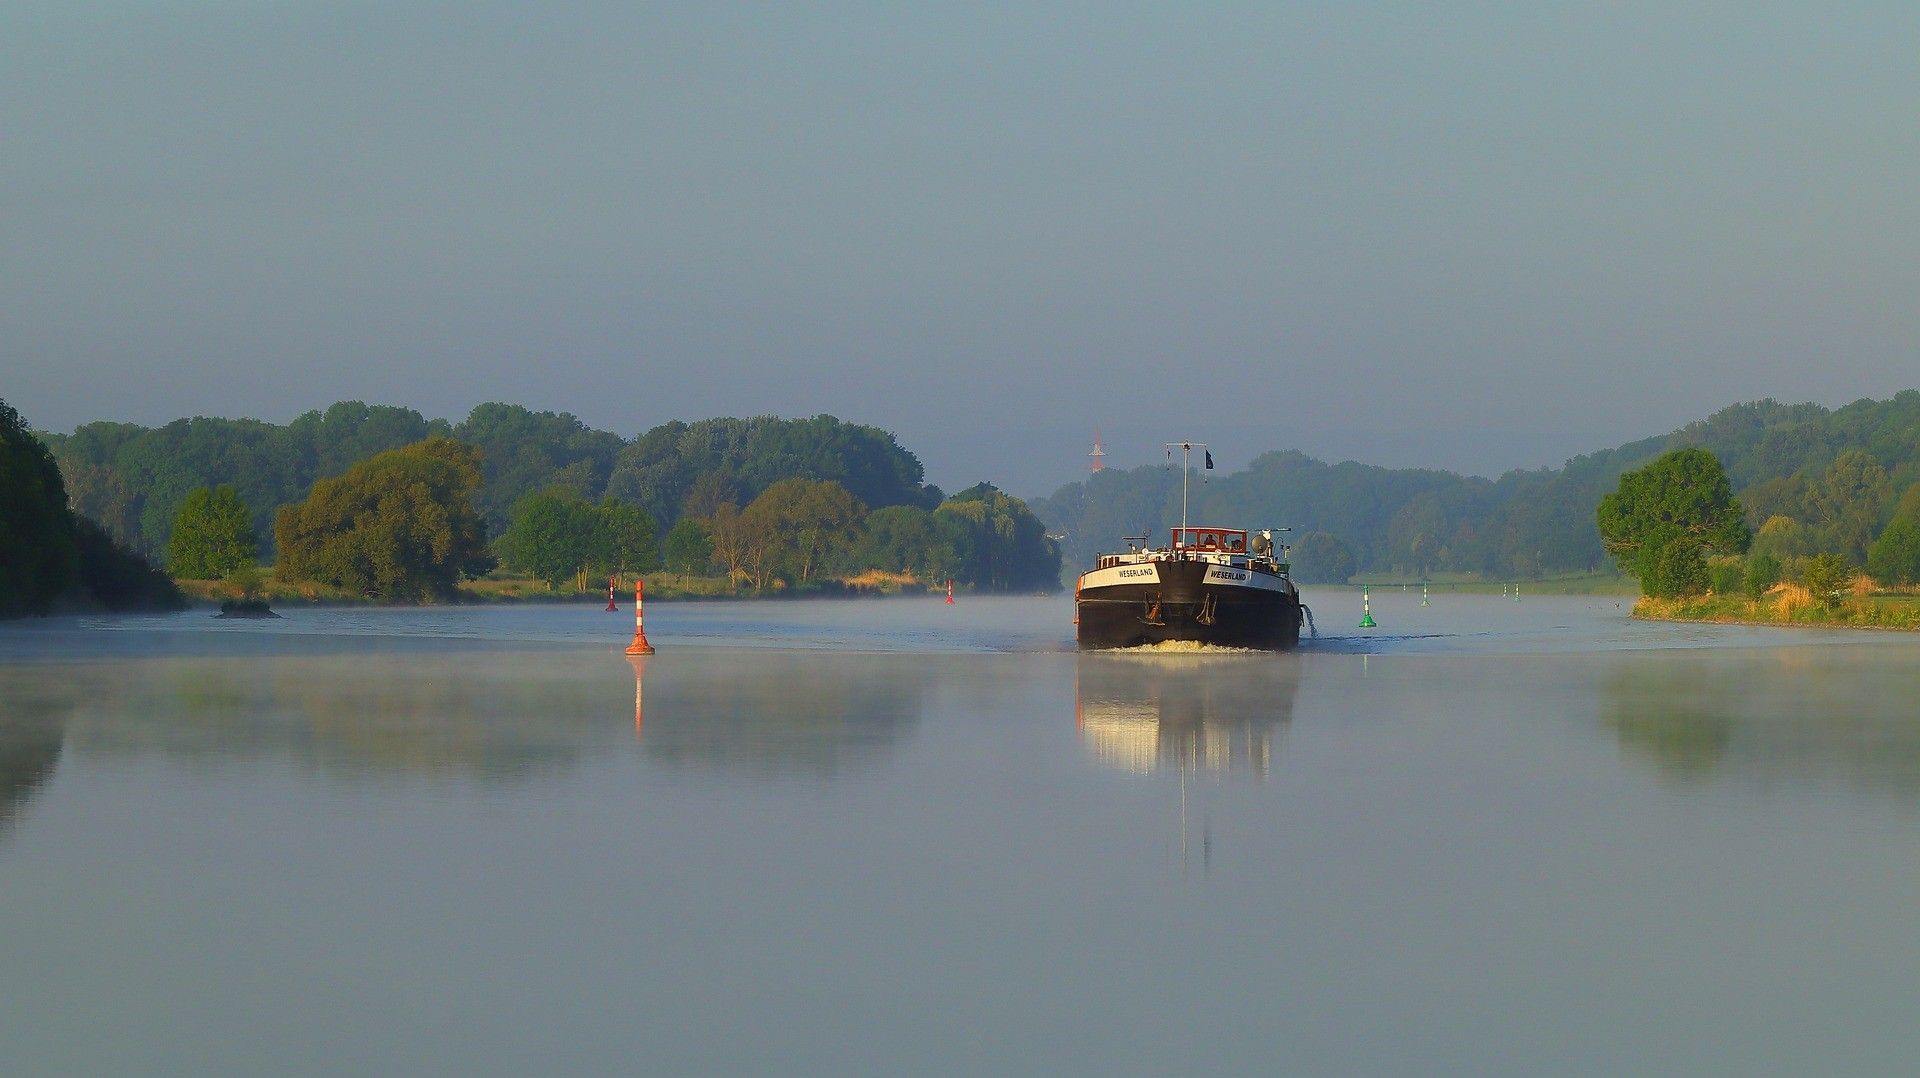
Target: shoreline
1869,612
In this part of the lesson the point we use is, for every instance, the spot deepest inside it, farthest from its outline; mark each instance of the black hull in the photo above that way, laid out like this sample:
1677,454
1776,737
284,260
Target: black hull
1181,607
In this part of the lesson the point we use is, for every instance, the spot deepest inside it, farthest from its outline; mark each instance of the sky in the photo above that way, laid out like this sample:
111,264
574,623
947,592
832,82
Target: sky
1468,236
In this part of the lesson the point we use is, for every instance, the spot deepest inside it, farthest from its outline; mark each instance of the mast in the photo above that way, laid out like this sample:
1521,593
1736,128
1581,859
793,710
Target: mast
1186,472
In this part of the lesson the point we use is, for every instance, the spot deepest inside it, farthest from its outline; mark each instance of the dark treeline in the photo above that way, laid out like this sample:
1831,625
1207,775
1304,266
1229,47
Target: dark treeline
133,480
558,497
1352,517
49,557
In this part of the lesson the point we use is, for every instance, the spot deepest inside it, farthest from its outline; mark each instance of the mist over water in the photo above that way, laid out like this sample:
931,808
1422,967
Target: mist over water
1490,836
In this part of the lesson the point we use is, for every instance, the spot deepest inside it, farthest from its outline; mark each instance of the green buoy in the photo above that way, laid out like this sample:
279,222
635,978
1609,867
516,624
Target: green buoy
1423,595
1366,610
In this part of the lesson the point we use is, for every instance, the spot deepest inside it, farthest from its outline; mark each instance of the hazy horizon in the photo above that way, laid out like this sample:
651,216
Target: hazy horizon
1475,238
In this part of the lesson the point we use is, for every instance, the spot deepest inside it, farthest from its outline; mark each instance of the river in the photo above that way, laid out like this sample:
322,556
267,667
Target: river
894,836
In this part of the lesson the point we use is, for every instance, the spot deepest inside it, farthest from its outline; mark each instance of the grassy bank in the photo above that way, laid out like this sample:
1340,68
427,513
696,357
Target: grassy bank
1790,605
1474,583
514,588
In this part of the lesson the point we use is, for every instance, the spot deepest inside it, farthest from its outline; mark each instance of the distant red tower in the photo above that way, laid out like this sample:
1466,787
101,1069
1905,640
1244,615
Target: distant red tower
1098,452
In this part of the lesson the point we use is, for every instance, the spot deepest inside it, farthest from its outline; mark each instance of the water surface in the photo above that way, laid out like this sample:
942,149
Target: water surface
825,837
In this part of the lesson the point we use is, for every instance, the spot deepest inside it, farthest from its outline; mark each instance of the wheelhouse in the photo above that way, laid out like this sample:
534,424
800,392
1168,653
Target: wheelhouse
1211,540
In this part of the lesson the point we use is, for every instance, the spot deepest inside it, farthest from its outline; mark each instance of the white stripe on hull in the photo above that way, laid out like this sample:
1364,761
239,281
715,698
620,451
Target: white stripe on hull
1224,576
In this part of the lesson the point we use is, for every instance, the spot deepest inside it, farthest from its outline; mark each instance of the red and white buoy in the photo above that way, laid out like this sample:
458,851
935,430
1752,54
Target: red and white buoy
949,591
610,585
639,645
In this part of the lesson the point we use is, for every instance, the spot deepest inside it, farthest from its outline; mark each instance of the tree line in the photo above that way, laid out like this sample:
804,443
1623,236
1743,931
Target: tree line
795,535
133,480
769,504
1799,473
1675,525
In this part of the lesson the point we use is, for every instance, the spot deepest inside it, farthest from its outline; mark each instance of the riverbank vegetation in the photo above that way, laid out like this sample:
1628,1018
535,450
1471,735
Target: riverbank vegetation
841,500
52,559
1850,557
1525,525
731,506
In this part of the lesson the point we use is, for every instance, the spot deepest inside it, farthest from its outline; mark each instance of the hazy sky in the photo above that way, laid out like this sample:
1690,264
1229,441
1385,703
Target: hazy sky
1472,236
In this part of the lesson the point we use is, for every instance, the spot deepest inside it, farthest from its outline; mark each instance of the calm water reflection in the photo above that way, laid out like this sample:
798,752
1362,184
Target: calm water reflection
1796,715
1140,711
1508,838
776,713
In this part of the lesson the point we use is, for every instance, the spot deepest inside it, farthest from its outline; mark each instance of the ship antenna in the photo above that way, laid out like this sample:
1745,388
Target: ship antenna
1186,473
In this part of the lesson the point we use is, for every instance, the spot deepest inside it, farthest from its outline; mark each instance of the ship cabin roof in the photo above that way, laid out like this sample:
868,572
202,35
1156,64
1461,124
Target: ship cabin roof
1211,540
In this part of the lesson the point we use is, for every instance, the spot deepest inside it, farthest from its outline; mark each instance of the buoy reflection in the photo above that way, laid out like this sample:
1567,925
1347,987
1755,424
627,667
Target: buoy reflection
639,664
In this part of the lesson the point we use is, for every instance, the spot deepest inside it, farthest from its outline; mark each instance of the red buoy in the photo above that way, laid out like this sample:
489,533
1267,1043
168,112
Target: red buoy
639,645
610,607
949,591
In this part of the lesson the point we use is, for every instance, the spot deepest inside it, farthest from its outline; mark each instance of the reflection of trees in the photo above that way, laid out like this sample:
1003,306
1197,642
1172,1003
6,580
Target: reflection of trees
1217,712
770,712
491,715
1807,714
31,734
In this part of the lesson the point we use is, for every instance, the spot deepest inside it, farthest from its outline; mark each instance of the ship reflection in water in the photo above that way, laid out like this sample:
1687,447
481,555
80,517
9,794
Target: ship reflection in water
1147,709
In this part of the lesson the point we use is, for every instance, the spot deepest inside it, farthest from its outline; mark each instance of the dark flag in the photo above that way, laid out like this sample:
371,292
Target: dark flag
1209,454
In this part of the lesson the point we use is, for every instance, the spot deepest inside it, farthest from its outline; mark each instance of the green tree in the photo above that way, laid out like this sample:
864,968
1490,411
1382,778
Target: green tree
689,546
39,547
1828,576
526,451
212,535
904,539
1323,558
627,541
1763,572
800,527
1664,519
1784,537
1724,575
997,542
1677,568
552,534
400,526
1847,502
1895,557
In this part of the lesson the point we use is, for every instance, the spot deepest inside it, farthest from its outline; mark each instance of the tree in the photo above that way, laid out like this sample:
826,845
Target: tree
1725,574
904,539
550,535
1827,578
400,526
524,451
1677,568
39,551
628,541
797,528
555,535
212,535
1763,572
689,546
997,542
1895,557
728,534
1664,519
1847,502
1784,537
1323,558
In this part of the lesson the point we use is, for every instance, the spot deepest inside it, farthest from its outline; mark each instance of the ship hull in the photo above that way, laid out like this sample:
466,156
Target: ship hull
1192,601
